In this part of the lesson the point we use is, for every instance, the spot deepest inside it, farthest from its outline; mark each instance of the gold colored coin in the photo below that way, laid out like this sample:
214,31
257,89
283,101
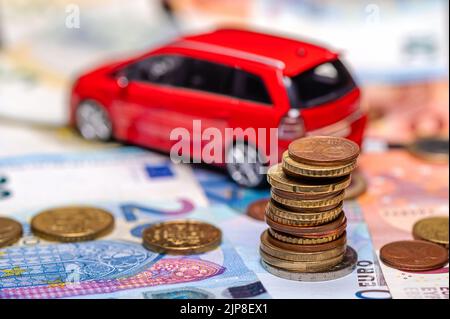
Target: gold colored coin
434,229
308,203
182,237
357,187
303,266
10,231
283,216
278,179
72,224
295,169
285,254
302,241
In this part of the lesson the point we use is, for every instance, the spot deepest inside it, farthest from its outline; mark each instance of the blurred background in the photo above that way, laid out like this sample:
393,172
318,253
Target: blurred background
396,49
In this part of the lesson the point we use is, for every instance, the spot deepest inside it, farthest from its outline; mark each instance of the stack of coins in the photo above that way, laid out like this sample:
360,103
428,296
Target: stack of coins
307,235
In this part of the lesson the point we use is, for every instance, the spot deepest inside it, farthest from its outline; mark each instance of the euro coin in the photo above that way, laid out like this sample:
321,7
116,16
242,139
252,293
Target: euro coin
303,266
320,231
182,237
433,229
340,241
432,149
414,255
323,150
10,231
279,180
283,216
286,254
257,208
72,224
342,269
300,240
326,201
357,187
299,170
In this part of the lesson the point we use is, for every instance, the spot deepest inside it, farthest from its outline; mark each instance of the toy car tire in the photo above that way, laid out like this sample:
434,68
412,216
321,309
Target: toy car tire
93,122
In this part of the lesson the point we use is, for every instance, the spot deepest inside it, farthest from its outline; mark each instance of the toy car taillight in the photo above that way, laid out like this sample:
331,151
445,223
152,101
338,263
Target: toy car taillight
291,126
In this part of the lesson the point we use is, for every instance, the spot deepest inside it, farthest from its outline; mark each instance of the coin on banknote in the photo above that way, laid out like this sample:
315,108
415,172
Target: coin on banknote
182,237
300,170
414,255
433,149
345,267
279,180
434,229
303,266
71,224
286,254
357,187
10,231
323,150
304,248
257,208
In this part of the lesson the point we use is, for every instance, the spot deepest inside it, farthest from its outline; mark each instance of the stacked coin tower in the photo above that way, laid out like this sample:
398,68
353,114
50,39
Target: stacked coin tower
307,235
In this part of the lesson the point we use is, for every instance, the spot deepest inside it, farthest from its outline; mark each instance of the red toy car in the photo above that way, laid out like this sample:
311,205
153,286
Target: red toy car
227,79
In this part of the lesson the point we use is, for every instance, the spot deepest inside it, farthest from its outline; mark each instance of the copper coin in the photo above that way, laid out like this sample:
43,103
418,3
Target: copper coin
341,241
10,231
304,196
257,208
323,150
326,230
414,255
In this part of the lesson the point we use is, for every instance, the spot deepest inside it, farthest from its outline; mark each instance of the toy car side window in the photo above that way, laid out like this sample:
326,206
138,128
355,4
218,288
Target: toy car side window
161,69
208,76
250,87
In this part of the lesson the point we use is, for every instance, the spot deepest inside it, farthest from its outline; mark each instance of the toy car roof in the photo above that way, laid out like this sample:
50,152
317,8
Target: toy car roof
292,56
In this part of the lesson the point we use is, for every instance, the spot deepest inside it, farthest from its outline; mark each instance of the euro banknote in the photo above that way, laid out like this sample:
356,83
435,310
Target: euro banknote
402,190
117,174
118,266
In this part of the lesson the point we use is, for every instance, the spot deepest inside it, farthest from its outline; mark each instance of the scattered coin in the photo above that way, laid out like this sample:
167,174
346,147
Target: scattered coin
323,150
357,187
347,266
10,231
257,208
414,255
71,224
182,237
278,179
433,229
433,149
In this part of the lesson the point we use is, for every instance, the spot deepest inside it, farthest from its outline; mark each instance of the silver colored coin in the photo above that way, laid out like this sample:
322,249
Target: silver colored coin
347,266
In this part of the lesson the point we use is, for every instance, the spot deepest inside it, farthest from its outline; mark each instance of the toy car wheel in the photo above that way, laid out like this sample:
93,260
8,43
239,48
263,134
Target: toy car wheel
93,122
245,165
